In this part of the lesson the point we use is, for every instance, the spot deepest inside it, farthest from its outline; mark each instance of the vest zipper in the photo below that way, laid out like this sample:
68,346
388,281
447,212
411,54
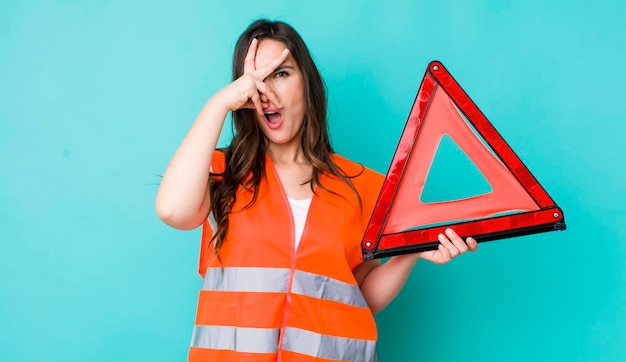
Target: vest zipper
293,256
292,266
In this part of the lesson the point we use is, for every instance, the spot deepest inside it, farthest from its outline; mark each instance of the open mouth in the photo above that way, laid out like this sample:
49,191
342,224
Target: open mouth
273,118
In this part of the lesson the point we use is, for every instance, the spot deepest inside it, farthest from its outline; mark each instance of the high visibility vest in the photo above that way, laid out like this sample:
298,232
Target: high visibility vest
266,301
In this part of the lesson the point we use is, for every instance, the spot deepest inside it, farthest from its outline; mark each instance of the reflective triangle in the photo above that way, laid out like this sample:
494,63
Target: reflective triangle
402,223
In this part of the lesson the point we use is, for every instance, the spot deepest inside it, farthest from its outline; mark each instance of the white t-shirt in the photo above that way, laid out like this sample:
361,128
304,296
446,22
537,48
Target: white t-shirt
299,209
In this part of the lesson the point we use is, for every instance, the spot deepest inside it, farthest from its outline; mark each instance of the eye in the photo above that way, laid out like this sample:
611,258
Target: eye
281,74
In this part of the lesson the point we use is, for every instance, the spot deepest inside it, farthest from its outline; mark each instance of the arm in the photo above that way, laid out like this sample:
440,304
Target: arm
183,199
381,283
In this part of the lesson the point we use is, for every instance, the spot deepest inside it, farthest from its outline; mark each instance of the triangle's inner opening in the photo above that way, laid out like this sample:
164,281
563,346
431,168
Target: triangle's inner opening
453,175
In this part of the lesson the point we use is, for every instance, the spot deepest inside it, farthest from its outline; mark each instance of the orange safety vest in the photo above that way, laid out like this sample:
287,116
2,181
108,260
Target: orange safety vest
268,302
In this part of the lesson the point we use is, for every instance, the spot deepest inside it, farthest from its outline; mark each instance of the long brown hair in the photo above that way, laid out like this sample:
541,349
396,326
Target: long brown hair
245,157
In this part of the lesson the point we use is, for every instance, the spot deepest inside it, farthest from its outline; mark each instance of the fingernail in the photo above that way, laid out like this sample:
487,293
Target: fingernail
440,236
449,232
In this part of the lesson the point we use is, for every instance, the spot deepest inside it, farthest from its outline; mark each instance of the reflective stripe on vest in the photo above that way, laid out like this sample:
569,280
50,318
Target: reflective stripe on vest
274,280
329,347
269,280
260,340
240,339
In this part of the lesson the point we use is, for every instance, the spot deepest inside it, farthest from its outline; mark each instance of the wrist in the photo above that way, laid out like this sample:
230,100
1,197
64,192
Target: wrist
407,258
217,104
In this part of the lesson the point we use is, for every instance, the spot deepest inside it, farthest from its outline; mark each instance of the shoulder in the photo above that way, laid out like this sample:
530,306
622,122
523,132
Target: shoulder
356,171
366,181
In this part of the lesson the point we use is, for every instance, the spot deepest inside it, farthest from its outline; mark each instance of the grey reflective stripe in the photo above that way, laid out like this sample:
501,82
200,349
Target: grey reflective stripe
329,347
240,339
322,287
212,222
274,280
271,280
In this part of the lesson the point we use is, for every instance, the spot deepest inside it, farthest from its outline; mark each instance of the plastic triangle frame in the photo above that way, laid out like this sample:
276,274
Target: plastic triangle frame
518,205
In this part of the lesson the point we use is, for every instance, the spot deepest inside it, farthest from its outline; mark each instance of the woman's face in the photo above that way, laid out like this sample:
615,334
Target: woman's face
281,125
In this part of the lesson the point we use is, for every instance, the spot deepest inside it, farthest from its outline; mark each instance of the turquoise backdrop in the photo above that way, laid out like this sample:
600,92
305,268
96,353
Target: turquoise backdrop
96,95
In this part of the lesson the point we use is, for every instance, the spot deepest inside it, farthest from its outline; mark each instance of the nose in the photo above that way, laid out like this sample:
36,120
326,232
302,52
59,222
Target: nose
264,99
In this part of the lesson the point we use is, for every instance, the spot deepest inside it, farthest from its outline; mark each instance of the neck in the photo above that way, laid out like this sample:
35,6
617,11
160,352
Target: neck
286,154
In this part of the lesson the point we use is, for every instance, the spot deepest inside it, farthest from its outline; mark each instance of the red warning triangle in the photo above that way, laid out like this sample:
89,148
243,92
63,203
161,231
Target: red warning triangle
517,204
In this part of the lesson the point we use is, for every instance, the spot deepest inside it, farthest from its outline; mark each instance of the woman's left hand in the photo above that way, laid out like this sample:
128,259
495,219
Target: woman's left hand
451,245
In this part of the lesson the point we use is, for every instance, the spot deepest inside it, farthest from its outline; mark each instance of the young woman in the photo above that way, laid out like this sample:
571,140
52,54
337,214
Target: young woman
282,216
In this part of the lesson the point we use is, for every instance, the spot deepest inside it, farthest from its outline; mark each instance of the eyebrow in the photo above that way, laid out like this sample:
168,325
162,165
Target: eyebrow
282,67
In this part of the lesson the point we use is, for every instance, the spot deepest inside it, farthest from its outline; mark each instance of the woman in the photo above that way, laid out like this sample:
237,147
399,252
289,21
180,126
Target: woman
281,257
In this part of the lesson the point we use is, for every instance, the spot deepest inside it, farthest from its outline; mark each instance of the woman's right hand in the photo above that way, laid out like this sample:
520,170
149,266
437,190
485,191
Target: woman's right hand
246,91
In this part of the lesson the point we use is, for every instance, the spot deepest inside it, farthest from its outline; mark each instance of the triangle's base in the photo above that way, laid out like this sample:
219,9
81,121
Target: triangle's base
550,219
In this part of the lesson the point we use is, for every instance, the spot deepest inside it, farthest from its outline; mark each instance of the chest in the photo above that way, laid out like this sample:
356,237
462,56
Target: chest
263,233
295,180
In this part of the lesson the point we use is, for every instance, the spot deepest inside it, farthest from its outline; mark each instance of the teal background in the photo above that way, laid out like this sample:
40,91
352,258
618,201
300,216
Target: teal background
95,96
